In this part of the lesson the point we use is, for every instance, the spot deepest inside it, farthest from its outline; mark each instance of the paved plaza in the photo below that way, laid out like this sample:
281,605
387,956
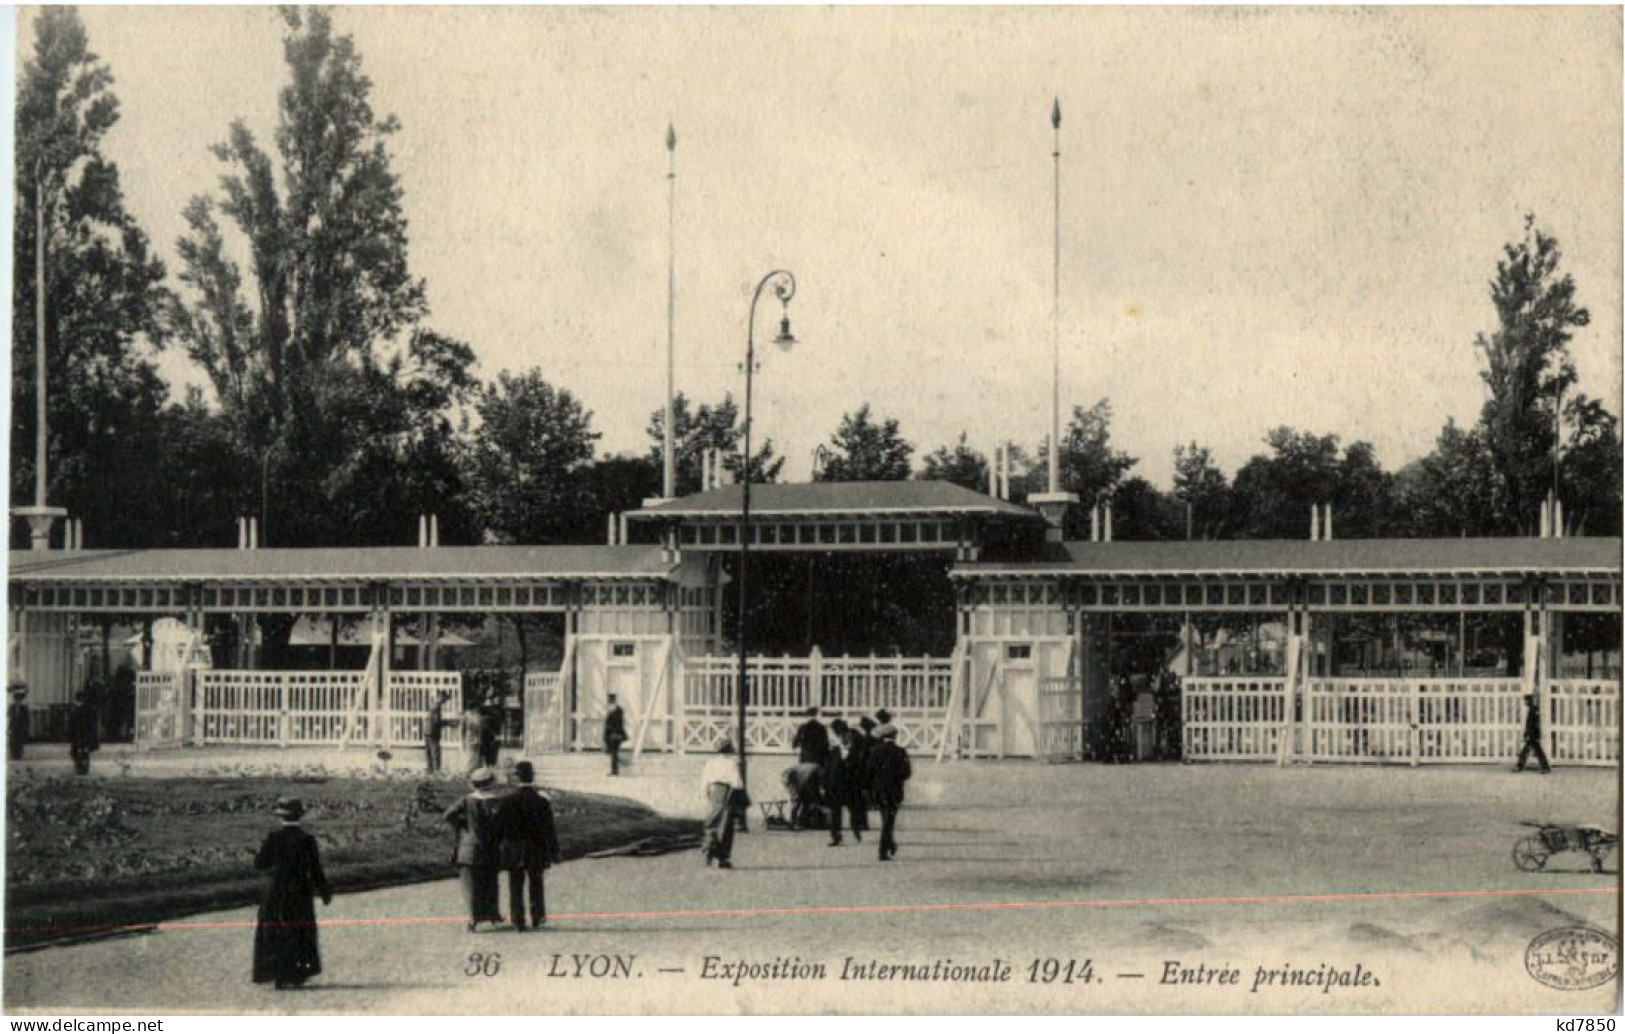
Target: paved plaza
1221,879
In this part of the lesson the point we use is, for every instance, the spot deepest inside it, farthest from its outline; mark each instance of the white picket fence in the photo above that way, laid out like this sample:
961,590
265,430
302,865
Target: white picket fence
916,690
287,708
1404,721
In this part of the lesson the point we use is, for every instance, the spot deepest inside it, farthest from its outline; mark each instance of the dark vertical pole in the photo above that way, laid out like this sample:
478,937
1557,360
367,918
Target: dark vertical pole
742,690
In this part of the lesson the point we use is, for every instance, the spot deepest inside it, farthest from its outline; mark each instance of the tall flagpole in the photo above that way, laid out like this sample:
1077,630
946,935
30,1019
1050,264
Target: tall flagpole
1055,317
1055,503
669,481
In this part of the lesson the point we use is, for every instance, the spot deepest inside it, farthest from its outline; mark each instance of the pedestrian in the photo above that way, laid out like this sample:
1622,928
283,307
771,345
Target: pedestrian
490,739
1531,736
614,734
17,721
889,769
473,736
835,783
530,844
434,723
857,776
84,734
285,948
721,784
811,740
478,844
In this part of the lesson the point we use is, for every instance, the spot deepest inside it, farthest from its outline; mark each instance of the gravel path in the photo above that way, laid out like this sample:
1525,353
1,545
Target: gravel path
1002,866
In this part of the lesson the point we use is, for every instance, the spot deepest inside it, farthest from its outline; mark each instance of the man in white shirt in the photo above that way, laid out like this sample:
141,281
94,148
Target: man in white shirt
719,780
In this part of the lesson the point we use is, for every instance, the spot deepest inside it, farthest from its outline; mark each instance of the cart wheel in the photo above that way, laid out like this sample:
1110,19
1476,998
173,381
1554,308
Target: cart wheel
1529,854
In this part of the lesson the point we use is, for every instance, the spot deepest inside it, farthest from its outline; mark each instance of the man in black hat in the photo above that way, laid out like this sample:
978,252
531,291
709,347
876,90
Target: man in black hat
1531,736
434,723
17,721
530,844
889,769
84,733
857,746
614,734
811,740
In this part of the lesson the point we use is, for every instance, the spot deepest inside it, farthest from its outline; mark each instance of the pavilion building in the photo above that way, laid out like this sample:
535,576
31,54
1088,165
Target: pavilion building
962,613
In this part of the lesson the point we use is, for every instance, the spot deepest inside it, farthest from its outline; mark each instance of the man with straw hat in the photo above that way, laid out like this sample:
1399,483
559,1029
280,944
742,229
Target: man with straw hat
285,948
475,818
719,780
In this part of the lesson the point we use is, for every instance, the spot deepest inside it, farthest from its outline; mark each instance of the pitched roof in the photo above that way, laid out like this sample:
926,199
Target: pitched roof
841,498
1284,557
339,564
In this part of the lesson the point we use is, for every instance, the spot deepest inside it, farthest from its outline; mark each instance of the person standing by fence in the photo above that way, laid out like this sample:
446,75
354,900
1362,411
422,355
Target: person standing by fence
434,723
17,722
857,745
720,782
84,733
530,843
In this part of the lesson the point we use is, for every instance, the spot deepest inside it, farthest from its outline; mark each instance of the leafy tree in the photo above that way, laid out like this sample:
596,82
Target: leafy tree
354,430
525,460
103,292
1200,485
1274,492
1527,369
1142,513
1590,469
1090,467
865,449
696,429
1449,491
962,465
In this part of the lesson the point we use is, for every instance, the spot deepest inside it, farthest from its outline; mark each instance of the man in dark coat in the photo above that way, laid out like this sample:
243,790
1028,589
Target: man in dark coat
17,722
857,776
530,844
811,740
837,785
490,732
434,723
285,948
889,769
478,846
614,734
1531,736
84,733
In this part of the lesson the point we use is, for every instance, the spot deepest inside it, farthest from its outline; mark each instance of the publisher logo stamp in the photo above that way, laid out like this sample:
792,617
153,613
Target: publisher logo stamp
1572,958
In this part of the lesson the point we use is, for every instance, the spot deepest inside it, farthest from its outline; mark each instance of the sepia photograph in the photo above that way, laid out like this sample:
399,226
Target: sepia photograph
841,511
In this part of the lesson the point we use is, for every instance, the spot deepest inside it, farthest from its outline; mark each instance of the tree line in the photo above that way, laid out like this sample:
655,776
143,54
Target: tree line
336,411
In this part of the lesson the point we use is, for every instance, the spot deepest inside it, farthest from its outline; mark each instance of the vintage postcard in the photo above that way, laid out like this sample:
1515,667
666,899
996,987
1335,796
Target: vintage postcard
550,510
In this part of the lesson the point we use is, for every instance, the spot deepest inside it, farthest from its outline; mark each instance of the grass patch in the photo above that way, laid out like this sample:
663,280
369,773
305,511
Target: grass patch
90,853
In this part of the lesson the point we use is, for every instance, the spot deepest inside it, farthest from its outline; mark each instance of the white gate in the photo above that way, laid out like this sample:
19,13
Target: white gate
159,718
544,713
1060,719
1234,718
1584,723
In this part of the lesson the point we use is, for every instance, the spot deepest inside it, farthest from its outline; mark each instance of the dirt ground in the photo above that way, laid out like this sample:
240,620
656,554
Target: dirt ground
1087,888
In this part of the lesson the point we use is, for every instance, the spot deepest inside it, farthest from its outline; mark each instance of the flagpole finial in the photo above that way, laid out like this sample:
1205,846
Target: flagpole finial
671,137
1055,114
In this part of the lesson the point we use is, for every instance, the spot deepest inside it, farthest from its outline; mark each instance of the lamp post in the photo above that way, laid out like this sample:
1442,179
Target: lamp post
265,492
784,285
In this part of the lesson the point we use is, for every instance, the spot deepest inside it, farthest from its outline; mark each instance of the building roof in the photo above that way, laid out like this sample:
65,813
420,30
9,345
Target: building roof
379,563
1286,557
841,499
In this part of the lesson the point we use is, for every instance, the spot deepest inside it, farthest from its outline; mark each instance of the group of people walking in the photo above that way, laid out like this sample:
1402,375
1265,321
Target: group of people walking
834,777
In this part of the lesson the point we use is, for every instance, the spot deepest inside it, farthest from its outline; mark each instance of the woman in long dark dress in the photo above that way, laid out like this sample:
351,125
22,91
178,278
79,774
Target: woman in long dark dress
285,950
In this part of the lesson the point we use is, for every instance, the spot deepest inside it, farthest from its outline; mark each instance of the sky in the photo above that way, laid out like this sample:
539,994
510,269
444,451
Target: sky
1268,216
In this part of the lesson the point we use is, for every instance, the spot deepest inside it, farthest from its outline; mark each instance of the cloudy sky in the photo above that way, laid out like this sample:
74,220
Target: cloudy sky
1268,216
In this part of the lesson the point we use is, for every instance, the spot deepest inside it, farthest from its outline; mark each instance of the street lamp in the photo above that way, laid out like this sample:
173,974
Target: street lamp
784,285
265,492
